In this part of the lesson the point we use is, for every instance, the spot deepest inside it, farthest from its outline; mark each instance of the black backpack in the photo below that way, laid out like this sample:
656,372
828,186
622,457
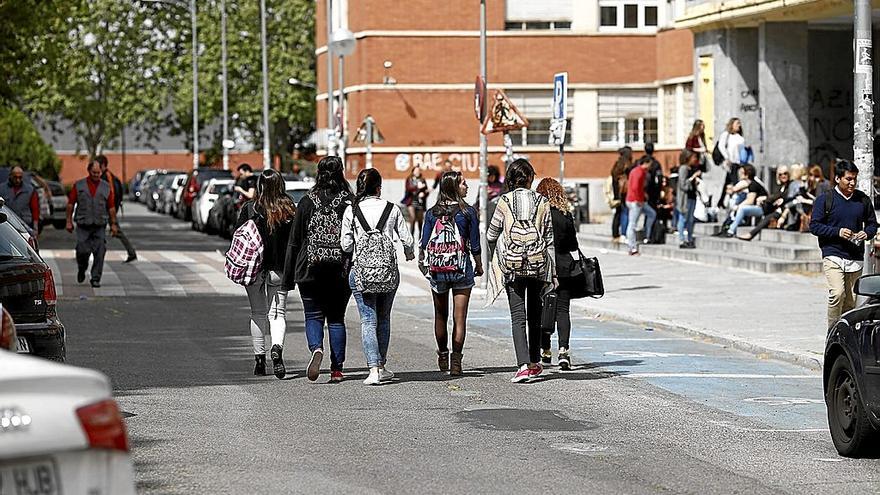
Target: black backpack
866,203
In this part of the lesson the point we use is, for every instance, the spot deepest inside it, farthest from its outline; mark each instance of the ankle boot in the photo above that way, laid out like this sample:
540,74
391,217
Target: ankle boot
443,360
277,362
455,364
260,364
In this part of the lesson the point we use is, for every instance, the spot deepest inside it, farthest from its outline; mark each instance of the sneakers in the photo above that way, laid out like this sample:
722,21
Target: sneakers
131,258
374,378
95,283
336,376
634,252
314,367
687,245
564,359
277,362
522,375
443,360
536,371
546,356
385,375
455,365
259,364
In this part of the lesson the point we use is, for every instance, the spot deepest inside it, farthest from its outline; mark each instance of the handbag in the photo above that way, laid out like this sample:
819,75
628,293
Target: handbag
587,278
548,312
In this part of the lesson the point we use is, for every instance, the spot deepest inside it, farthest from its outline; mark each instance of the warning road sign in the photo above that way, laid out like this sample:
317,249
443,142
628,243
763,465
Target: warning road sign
503,116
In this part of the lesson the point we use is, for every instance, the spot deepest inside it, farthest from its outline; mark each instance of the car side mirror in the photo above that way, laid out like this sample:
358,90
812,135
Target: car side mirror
868,286
3,217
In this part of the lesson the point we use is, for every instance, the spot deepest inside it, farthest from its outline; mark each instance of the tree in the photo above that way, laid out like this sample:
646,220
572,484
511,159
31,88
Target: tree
114,64
21,144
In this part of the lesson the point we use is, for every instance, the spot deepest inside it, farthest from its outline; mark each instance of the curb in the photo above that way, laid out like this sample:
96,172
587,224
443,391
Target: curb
803,360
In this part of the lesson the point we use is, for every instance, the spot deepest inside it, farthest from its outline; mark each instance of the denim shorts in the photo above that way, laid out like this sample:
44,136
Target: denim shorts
442,283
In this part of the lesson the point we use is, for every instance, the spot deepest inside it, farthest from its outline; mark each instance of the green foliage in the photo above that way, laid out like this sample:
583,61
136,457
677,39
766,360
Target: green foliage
21,144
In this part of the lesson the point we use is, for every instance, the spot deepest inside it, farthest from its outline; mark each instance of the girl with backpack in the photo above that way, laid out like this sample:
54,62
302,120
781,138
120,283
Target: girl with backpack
450,236
272,212
369,227
316,262
523,264
565,243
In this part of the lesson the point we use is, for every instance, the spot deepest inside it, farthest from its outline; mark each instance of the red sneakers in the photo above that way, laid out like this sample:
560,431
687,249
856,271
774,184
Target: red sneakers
522,375
536,372
336,376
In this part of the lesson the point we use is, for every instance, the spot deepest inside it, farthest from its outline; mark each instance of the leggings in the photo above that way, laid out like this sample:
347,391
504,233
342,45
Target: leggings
524,299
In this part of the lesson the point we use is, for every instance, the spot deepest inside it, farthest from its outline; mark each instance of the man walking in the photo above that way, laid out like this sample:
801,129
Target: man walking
636,203
118,194
843,219
94,201
21,197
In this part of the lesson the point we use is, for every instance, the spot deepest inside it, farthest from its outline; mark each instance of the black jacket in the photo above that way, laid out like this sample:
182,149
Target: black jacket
296,268
274,244
565,241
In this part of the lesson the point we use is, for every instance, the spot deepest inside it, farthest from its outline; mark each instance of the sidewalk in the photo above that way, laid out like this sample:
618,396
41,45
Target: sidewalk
780,316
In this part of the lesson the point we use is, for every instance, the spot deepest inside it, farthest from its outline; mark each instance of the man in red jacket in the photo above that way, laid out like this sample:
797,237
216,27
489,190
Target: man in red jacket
636,203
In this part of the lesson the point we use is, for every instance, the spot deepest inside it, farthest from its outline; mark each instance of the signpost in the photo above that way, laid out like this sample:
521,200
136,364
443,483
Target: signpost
560,118
369,133
480,99
504,117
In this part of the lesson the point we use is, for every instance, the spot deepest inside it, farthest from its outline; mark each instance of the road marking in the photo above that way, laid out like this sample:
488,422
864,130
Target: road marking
744,376
163,282
111,286
783,401
649,354
218,282
630,339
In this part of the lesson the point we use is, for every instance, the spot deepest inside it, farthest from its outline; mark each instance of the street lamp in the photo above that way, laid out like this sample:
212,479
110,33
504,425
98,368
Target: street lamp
267,159
195,66
225,87
296,82
342,42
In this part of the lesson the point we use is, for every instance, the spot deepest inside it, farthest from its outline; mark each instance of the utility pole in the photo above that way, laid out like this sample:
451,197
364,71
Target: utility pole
484,158
331,138
195,56
863,106
225,84
267,158
340,136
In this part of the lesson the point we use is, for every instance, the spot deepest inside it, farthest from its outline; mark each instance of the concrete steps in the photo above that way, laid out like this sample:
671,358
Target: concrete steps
773,252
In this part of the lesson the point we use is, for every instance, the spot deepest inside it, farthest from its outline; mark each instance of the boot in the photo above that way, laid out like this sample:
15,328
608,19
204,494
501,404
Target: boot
443,360
455,364
260,365
277,362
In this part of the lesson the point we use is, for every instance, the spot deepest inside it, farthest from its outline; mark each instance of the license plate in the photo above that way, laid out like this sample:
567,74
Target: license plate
34,477
23,346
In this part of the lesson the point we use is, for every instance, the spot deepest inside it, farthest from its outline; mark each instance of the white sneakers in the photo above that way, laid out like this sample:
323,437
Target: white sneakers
378,375
385,374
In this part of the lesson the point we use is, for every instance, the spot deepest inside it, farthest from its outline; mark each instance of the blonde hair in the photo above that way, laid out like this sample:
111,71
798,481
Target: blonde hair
797,171
555,193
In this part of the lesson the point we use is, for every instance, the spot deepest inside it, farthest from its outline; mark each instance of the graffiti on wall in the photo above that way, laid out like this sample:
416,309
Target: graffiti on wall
467,162
749,101
831,124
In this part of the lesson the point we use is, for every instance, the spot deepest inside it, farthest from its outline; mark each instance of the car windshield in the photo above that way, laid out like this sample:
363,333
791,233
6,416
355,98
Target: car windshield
12,244
220,188
297,194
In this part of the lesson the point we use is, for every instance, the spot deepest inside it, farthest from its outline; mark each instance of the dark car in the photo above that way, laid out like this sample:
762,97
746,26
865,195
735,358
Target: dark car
222,216
134,187
852,374
27,291
193,186
150,189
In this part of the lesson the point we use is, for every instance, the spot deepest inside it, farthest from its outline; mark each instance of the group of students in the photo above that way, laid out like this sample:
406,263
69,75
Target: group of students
336,244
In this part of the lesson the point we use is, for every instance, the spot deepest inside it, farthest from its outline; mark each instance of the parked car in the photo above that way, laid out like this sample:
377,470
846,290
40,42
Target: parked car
151,189
297,190
27,291
211,190
851,374
163,184
221,216
193,185
60,429
134,187
58,204
145,181
44,194
172,194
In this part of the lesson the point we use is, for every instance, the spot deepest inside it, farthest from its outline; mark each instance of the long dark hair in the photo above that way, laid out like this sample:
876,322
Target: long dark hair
450,192
369,181
697,131
520,173
272,199
330,178
624,161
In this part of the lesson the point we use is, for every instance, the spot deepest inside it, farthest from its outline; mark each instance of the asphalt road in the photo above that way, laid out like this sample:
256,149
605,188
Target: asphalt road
643,411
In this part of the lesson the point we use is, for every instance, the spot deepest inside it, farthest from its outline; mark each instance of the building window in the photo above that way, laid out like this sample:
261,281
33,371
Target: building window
538,26
537,106
626,15
538,133
545,15
627,117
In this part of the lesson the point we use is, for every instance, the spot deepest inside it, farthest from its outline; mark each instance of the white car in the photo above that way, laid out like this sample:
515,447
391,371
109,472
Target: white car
206,199
61,432
297,189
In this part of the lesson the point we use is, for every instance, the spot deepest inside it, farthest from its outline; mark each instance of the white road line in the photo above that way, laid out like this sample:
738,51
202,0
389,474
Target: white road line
163,282
742,376
111,286
218,281
49,257
628,339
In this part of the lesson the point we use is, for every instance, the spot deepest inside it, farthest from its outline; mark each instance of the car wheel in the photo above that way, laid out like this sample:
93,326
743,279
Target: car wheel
851,430
59,224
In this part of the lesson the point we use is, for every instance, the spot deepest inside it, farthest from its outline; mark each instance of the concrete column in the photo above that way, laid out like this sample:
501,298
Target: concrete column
681,129
585,124
585,16
661,116
783,93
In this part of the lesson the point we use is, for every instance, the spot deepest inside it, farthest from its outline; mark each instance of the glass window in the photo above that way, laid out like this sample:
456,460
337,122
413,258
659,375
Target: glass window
608,131
630,16
562,25
513,26
608,17
650,16
537,25
632,131
650,130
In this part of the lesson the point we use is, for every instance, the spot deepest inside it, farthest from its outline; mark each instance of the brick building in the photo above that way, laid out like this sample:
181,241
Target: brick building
630,79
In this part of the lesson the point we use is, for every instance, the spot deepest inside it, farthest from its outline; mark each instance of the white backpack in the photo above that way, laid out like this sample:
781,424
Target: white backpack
375,261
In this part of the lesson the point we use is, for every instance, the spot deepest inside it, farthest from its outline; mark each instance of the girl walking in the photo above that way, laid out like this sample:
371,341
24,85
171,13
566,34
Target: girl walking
564,243
450,237
523,264
316,262
272,211
415,199
368,230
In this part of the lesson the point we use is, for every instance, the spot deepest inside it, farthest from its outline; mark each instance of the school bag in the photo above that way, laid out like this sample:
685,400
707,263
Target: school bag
717,156
524,252
446,250
608,191
375,261
324,247
244,259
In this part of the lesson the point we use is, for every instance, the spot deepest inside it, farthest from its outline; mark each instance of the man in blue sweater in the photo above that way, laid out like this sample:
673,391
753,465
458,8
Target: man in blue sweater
843,219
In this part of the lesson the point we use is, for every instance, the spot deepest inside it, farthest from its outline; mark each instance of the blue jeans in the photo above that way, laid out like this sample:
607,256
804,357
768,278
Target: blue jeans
686,221
742,213
330,308
375,310
635,211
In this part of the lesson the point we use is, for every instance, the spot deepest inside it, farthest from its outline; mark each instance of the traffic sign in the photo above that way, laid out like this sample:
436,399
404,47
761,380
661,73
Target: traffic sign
504,116
369,131
560,95
480,98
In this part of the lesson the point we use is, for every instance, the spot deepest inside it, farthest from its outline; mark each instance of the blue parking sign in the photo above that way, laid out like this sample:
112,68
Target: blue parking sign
560,92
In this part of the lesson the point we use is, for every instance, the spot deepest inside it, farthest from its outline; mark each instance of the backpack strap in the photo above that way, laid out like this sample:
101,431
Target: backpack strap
829,199
360,216
384,218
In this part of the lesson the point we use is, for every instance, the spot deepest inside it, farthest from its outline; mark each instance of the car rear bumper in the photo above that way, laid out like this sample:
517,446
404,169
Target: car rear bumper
80,471
45,339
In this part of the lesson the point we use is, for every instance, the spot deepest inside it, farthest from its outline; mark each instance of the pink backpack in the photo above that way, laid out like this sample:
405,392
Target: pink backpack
245,256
